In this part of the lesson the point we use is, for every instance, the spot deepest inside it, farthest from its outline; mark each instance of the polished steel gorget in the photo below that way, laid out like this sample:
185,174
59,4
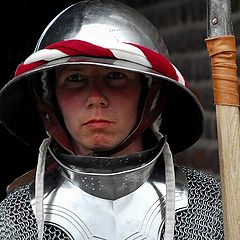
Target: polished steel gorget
109,200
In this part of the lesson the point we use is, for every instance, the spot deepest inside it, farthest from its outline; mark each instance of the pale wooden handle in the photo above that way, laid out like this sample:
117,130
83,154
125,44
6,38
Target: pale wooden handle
228,132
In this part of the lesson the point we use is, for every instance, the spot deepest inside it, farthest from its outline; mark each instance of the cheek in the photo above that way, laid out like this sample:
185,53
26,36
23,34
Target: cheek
128,106
69,104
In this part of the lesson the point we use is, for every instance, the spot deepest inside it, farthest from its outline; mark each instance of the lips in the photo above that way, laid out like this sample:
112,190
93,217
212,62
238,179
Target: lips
97,123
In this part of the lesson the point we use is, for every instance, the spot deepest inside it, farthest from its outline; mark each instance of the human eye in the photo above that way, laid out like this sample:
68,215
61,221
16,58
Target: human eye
74,79
115,78
115,75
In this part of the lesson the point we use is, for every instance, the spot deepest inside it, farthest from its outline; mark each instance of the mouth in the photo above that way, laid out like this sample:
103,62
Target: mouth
97,123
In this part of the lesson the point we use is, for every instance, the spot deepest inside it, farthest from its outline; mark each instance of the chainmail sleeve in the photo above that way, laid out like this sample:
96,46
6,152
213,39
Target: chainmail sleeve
203,219
18,222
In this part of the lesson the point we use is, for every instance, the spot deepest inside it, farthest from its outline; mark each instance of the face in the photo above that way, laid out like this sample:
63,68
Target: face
99,106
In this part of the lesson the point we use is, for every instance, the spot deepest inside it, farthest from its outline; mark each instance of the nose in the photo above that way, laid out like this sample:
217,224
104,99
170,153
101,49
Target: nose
96,98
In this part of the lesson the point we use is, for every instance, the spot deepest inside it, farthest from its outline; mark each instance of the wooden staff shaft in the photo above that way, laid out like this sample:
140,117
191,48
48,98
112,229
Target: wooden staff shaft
226,100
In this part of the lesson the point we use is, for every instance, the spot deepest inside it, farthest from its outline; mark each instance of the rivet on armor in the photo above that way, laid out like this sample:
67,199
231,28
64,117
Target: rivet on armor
214,21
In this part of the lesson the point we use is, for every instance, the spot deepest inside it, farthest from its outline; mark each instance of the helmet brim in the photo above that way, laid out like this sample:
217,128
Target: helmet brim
182,121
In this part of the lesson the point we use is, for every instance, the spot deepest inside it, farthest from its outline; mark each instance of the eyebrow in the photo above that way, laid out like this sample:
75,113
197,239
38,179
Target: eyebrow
82,68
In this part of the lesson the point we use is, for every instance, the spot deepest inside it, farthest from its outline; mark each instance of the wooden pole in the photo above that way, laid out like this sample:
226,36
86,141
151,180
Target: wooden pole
222,50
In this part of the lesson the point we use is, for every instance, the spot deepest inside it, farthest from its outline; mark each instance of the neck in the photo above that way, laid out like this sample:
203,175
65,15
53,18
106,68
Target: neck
135,146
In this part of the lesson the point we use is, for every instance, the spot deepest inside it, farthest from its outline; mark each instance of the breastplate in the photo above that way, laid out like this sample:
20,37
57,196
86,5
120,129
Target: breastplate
72,203
138,215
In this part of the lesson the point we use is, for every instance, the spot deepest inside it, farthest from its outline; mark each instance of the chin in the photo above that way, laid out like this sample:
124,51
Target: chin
101,147
102,142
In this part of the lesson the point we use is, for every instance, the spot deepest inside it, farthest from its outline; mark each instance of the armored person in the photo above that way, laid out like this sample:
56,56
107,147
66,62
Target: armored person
108,110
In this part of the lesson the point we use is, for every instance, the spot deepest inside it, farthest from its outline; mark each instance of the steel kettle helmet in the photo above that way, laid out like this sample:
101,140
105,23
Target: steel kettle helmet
104,23
104,33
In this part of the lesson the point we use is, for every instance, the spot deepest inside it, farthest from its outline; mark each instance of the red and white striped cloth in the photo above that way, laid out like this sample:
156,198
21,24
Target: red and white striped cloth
123,51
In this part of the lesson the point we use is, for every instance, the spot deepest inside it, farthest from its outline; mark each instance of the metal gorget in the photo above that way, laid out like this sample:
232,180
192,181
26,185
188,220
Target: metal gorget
109,177
83,203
